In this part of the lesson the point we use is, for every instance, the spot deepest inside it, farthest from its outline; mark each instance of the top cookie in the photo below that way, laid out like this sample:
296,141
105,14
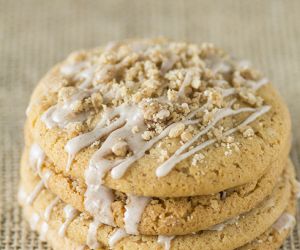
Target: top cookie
159,118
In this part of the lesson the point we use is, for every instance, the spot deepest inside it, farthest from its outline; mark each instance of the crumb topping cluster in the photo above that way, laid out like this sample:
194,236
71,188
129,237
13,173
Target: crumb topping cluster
167,80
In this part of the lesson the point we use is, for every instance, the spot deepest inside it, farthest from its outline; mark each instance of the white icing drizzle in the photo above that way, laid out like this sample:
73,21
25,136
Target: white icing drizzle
129,116
165,241
70,214
220,114
221,226
117,124
86,72
74,145
116,237
98,201
166,167
34,220
134,211
43,231
50,207
98,198
115,133
39,187
87,75
119,170
228,92
284,222
91,239
62,115
22,196
36,158
47,117
124,111
71,69
257,85
46,177
186,82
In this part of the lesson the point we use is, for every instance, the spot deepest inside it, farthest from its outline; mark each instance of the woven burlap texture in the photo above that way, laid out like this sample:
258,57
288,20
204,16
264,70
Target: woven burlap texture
35,34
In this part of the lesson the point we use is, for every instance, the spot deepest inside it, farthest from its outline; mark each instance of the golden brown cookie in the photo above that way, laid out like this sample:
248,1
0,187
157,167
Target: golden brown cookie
270,240
168,216
231,235
166,119
274,237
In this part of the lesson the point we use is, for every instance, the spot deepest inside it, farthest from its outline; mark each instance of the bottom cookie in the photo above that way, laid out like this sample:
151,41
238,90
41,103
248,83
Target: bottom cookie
230,236
272,239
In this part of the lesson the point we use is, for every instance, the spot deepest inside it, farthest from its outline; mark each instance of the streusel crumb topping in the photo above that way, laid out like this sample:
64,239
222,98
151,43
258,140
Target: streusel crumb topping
141,91
167,79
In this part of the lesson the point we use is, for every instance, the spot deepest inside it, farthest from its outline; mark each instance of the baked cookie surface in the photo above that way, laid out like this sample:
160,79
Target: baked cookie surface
184,119
232,234
274,237
269,240
168,216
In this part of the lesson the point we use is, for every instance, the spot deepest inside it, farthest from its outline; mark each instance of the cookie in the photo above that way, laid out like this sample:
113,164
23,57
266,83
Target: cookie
184,119
69,222
270,240
165,216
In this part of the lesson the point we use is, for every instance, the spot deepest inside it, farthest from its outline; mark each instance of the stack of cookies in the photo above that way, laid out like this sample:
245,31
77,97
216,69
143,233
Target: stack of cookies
154,144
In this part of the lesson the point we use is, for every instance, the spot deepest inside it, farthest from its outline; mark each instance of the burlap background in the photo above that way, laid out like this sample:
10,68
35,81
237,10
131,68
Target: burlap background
37,33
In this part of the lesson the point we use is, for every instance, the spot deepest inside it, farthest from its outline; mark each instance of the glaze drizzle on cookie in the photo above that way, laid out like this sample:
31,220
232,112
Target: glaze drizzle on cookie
70,215
91,239
134,210
143,93
50,207
116,236
165,241
39,187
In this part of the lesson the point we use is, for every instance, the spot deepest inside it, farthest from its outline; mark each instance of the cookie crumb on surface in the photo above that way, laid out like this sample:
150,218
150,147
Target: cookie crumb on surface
197,158
120,148
177,130
247,131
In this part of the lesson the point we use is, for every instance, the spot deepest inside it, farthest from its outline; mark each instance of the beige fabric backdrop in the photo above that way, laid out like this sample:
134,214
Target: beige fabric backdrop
34,34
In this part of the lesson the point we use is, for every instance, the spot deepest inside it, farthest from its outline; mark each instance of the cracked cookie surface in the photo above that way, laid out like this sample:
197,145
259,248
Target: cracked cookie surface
176,91
233,235
170,216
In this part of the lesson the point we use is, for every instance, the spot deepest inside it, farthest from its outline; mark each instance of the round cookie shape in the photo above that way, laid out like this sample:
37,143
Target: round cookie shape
269,240
244,230
186,119
170,216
